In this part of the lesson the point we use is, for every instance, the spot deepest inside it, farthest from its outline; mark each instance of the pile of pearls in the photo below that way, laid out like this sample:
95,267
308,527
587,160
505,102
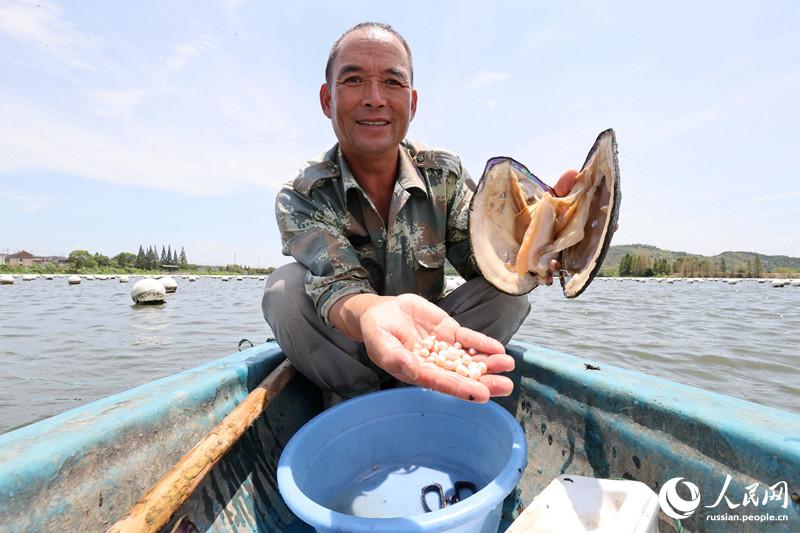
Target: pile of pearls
449,357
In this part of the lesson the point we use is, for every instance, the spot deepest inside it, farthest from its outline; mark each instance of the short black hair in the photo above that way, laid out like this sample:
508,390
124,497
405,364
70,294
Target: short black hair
368,25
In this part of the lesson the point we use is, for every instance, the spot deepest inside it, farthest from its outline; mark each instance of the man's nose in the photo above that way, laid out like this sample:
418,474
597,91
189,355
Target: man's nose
373,94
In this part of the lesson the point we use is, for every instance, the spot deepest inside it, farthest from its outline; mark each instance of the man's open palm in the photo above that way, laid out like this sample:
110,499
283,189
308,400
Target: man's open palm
392,328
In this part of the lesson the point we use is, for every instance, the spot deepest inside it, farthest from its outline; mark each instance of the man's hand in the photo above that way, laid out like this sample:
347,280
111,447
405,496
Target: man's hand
391,326
565,182
562,188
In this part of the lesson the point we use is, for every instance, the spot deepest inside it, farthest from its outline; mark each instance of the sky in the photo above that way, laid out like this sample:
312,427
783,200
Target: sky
175,123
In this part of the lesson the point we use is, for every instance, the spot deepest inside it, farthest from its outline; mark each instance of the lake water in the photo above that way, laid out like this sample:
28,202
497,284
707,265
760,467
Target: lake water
63,346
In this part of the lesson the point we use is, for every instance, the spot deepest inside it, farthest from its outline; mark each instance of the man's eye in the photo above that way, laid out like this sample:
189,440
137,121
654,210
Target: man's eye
351,80
393,83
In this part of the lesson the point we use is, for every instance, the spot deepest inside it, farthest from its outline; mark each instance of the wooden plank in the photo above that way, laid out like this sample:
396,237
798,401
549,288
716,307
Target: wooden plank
158,505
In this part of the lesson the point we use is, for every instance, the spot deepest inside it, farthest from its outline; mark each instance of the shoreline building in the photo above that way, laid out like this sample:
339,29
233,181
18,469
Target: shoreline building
25,258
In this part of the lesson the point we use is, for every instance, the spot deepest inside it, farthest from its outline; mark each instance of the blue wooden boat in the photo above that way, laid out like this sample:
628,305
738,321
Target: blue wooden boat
82,470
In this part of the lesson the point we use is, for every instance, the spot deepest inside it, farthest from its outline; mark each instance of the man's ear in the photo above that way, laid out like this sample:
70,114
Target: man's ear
413,103
325,99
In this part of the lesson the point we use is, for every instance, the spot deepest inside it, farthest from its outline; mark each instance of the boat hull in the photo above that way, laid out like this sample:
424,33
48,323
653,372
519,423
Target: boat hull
82,470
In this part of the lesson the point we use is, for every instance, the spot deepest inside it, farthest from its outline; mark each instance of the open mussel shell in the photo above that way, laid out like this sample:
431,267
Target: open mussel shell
581,263
517,224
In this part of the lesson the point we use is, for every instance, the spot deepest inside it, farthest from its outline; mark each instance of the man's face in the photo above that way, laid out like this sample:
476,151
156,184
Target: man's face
370,100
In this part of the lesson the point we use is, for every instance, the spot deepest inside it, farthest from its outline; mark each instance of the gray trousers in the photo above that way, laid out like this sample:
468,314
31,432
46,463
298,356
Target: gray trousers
337,364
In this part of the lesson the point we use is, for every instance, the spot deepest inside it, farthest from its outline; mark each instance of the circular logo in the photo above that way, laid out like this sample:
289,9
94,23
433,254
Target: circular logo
673,505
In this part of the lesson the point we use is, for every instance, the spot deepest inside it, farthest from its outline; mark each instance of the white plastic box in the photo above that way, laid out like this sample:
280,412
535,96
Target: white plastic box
576,504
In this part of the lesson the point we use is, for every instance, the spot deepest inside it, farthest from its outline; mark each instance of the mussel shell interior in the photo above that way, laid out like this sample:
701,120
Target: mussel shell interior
581,262
491,220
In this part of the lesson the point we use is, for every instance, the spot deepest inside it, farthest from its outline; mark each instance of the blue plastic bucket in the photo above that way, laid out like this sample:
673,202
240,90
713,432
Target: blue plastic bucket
361,465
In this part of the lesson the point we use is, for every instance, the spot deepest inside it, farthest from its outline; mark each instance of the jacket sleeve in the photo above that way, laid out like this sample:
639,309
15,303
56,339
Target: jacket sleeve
459,247
313,234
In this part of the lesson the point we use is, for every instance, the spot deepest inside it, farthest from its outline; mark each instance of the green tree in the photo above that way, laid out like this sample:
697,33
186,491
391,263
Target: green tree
722,266
625,265
141,260
635,265
125,260
169,256
758,266
182,260
150,259
163,255
102,260
80,259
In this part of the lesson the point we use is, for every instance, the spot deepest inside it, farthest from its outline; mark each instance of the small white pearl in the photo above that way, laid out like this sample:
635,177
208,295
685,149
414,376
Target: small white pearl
457,345
461,369
472,351
474,373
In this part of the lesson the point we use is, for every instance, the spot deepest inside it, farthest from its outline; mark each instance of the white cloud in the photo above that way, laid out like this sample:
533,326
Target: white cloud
113,103
778,196
26,202
485,78
492,103
207,145
185,51
40,24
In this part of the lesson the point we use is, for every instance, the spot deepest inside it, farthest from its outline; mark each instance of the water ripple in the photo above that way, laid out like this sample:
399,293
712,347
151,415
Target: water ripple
64,346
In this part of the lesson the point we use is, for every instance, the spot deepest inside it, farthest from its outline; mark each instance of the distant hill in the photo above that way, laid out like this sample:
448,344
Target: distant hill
735,263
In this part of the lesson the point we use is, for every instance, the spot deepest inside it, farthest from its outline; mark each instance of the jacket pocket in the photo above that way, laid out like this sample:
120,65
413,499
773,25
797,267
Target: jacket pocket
430,270
430,256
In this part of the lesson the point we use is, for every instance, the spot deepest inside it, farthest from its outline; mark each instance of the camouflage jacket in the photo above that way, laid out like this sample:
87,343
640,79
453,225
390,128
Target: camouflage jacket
329,225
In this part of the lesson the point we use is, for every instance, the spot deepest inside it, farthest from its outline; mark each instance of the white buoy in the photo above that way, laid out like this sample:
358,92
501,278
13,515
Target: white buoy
6,279
225,278
148,291
169,283
192,278
239,278
261,278
74,280
123,279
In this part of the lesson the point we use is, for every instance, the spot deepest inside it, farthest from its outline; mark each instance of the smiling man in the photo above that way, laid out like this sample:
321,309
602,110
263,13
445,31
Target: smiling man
370,224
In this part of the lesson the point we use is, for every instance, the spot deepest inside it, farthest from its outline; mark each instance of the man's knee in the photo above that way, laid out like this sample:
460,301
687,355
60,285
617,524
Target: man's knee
284,293
515,307
480,306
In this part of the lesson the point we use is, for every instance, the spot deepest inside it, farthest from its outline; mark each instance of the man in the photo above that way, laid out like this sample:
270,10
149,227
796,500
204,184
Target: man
370,225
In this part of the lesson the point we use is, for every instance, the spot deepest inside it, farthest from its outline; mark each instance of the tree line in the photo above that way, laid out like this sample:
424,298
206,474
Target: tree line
144,260
643,266
150,260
